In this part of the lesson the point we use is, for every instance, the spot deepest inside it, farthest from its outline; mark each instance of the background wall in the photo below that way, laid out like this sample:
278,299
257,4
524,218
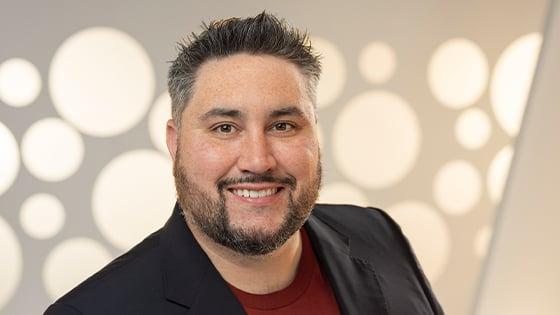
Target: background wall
521,274
419,105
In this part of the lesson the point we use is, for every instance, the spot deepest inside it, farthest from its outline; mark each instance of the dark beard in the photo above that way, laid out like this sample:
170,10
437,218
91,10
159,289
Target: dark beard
211,216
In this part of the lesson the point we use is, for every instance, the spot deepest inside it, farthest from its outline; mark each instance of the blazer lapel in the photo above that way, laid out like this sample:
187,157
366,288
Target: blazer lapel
352,279
189,277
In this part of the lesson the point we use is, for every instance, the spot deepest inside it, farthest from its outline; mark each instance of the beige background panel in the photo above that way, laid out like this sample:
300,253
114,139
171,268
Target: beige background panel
522,275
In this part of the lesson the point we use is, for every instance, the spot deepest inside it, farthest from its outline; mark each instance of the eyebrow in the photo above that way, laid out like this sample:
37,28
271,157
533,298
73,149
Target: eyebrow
235,113
221,112
287,111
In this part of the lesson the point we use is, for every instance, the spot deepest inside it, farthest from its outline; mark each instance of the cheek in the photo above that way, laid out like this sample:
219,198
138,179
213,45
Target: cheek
205,160
300,159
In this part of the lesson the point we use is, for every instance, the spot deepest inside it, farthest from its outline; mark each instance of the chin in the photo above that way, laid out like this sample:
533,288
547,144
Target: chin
264,227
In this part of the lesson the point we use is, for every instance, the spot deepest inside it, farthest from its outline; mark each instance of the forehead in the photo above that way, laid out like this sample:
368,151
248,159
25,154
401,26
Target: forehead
249,83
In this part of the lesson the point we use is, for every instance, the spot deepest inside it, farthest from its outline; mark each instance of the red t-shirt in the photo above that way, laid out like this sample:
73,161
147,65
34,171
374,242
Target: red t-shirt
309,293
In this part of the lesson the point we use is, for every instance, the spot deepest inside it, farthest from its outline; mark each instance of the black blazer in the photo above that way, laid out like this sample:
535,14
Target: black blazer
367,260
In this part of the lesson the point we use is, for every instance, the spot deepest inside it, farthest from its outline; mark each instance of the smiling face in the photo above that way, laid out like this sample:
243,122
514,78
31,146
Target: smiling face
246,158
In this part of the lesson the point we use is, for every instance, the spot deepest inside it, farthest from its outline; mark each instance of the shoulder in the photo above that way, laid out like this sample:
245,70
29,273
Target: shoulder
347,212
376,238
134,276
373,235
356,221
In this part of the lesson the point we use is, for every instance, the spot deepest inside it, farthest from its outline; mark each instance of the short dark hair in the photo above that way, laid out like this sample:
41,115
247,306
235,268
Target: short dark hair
262,34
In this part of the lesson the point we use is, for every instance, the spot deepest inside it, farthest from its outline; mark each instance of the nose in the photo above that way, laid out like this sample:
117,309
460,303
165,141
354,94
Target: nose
256,155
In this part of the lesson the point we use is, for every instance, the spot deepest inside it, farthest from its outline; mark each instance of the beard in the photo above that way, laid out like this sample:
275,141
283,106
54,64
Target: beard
210,215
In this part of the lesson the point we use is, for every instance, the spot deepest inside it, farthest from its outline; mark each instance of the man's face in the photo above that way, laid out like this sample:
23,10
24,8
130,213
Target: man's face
247,166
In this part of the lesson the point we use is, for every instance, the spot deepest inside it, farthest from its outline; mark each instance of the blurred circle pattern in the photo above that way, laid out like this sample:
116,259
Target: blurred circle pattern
101,80
20,82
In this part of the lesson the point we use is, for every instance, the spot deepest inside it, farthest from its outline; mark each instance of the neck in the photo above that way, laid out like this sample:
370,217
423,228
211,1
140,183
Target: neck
273,271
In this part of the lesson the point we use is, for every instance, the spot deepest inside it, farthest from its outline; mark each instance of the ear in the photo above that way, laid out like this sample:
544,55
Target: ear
171,137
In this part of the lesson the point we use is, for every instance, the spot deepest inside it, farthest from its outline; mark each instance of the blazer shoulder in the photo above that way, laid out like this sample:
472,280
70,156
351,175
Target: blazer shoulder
371,231
377,238
356,221
62,309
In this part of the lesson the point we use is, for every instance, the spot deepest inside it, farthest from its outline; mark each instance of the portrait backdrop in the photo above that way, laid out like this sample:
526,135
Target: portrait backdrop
419,107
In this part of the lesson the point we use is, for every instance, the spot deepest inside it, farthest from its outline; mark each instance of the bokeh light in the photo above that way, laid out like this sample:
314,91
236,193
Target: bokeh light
369,147
11,262
101,80
70,263
20,82
9,158
42,216
457,187
52,150
498,172
333,76
126,189
428,234
511,81
377,62
458,73
473,129
159,115
342,193
482,241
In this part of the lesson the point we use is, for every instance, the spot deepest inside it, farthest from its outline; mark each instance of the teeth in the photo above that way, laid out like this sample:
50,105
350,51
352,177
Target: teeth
255,193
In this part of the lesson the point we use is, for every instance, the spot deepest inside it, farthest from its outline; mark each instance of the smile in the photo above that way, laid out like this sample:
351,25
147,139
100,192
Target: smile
253,194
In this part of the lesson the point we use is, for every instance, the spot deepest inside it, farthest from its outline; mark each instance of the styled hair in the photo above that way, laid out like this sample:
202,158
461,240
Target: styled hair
263,34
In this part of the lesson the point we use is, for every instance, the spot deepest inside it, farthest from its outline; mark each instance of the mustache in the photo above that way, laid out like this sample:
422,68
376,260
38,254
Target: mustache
288,180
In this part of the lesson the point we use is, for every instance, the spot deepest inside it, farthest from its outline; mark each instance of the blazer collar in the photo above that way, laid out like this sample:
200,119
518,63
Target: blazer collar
353,279
189,277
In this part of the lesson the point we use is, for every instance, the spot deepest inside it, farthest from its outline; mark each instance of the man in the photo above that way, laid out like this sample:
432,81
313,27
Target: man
246,235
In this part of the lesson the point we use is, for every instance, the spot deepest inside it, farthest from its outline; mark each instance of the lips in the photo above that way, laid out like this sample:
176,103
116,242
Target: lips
250,193
256,193
258,190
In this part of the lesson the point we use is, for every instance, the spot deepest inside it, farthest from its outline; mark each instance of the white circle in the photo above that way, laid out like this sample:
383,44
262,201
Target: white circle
333,76
458,73
159,115
320,136
376,139
42,216
20,82
498,172
101,81
473,129
9,158
457,187
511,81
133,196
342,193
428,234
11,263
482,241
70,263
52,150
377,62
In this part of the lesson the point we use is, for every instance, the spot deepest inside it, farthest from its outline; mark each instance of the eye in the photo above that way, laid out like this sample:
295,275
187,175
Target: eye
224,128
283,126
